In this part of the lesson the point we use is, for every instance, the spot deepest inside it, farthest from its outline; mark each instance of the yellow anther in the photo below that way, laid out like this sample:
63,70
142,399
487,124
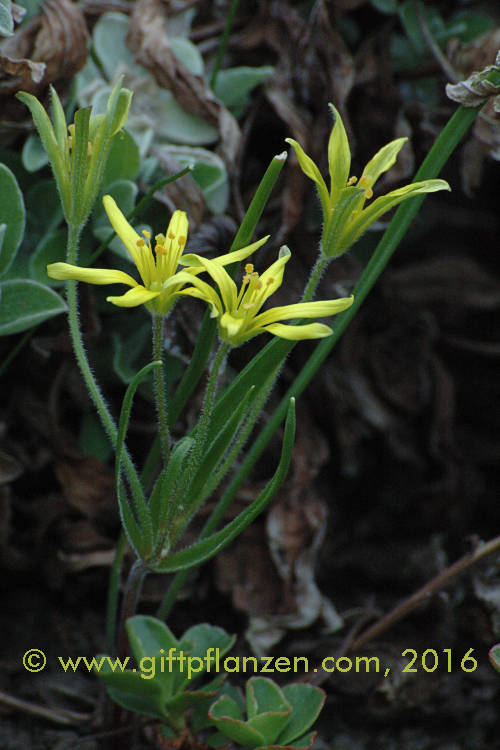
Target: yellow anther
249,268
160,250
140,242
369,192
146,234
258,285
171,235
181,240
352,181
269,282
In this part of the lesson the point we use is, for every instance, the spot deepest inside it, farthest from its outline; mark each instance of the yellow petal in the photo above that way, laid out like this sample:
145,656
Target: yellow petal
226,285
339,157
381,162
202,290
299,333
190,259
311,170
272,278
384,203
134,297
318,309
65,271
125,232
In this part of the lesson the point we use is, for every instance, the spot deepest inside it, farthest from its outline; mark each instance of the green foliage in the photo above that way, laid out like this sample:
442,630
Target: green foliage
12,218
494,656
234,85
24,302
275,717
161,686
6,21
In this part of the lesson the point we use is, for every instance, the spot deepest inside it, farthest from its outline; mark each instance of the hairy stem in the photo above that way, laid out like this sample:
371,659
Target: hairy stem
159,387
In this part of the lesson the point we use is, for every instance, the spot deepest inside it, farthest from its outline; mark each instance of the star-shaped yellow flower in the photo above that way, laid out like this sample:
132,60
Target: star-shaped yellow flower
345,217
238,312
157,265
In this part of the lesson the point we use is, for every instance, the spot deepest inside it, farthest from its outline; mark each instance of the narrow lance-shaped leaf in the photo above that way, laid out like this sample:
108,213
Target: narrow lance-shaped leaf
60,124
218,444
79,160
207,548
339,156
163,492
142,510
49,140
384,203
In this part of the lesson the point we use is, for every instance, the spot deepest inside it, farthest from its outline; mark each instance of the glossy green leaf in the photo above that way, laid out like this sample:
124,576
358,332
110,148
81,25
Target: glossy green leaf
149,635
262,694
12,214
132,691
223,716
306,702
204,642
25,303
207,548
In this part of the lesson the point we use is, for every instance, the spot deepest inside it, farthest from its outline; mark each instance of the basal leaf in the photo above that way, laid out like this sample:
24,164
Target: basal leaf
25,303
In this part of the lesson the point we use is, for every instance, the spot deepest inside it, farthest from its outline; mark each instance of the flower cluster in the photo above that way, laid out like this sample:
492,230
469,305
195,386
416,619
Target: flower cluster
238,313
345,217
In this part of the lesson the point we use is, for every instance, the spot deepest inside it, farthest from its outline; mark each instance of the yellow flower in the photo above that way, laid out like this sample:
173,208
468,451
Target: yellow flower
237,312
345,217
157,265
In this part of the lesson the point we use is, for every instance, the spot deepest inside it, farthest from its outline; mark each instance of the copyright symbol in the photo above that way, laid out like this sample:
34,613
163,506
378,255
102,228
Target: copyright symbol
34,660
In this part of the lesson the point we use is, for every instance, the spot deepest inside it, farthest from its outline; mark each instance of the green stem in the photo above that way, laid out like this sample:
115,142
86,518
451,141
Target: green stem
223,42
317,272
159,386
208,405
81,357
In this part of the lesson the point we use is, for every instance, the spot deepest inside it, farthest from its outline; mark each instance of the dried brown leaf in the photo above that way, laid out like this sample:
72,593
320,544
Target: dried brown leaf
148,40
56,39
